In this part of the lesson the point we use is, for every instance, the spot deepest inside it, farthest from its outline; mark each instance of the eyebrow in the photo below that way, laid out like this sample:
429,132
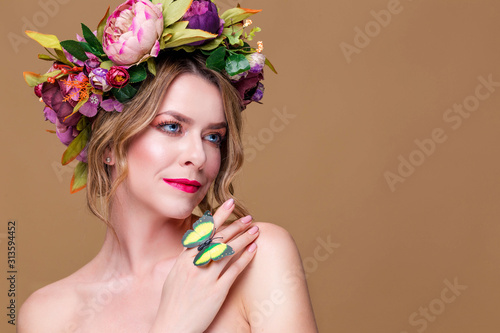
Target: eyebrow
187,120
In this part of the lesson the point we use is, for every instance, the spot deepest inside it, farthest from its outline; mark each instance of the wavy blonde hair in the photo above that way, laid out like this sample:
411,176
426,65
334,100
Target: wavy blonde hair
113,130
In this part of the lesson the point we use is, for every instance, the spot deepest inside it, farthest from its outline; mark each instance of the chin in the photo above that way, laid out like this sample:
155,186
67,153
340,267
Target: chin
180,208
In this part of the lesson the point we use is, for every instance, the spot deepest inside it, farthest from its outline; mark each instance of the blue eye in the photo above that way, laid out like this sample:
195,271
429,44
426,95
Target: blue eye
170,127
214,138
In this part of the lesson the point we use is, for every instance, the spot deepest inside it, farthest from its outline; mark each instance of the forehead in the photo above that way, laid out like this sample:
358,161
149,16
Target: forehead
194,97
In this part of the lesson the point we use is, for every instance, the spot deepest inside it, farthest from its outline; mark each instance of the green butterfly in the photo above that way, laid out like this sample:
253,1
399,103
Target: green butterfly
201,236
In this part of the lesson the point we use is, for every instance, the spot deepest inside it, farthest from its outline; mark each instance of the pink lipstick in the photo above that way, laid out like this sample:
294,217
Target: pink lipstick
186,185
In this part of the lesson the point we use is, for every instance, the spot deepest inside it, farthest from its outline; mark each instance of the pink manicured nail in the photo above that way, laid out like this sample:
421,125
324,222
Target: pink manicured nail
253,230
252,247
228,204
246,219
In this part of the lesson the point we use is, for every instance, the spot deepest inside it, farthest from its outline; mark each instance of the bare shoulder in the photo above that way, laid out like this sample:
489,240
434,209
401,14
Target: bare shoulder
277,257
274,287
275,245
48,306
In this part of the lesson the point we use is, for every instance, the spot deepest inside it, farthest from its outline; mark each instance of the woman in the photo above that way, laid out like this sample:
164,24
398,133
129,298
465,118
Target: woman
174,147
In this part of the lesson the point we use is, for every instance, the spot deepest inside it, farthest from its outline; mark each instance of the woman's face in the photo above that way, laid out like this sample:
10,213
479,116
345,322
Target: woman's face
173,162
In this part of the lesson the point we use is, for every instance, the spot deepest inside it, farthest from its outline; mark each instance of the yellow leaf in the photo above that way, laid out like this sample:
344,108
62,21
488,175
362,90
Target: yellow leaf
33,79
79,179
48,41
100,26
187,36
235,15
174,11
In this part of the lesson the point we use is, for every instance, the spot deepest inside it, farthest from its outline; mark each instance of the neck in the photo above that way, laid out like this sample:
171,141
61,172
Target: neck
143,244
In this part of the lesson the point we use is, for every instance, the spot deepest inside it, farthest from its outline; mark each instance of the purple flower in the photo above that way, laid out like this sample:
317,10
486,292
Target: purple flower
97,78
54,96
257,61
203,15
50,115
90,108
92,62
249,88
111,104
259,93
66,134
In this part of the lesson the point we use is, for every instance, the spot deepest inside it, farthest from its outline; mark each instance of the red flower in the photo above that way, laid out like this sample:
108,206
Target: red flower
117,76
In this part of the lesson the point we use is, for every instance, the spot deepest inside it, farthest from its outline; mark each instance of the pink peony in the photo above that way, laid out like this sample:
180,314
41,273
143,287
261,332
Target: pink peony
131,33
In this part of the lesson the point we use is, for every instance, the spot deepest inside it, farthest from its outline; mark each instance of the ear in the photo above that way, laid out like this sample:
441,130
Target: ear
108,157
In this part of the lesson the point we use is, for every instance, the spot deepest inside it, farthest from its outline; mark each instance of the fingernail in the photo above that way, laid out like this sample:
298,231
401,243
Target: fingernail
246,219
253,230
228,204
252,247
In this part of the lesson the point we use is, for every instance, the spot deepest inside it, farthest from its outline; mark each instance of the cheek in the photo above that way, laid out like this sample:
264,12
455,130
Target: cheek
145,152
213,164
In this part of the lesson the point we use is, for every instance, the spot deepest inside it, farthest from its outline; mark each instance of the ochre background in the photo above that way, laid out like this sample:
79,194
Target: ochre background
322,174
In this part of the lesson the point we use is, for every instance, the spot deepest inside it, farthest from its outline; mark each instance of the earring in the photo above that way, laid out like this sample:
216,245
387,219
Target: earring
108,159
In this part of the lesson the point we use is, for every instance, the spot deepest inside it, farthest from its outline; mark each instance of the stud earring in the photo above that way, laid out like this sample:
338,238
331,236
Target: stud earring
108,159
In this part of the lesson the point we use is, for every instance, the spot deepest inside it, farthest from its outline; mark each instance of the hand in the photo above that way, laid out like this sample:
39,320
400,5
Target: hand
192,295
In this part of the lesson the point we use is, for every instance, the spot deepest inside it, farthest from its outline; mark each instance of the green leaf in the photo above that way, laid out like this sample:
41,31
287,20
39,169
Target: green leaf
268,63
45,57
75,49
137,73
92,40
238,14
79,179
176,27
187,36
49,41
211,44
82,123
233,33
124,94
174,11
86,47
236,64
33,79
207,47
106,64
216,60
152,66
252,33
76,146
62,58
102,24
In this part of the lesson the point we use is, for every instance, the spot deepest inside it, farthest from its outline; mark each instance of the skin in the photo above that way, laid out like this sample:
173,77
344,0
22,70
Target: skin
147,282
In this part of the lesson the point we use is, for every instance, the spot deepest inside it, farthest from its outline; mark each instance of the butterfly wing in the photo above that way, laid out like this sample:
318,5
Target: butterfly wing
214,251
202,230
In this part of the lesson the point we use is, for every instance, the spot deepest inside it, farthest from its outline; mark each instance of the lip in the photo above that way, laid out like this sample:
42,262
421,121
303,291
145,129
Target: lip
186,185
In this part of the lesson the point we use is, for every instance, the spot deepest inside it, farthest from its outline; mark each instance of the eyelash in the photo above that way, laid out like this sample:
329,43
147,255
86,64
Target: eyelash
163,124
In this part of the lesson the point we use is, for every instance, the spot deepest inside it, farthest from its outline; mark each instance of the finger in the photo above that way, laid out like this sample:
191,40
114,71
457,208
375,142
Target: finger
223,213
242,241
238,265
233,229
237,244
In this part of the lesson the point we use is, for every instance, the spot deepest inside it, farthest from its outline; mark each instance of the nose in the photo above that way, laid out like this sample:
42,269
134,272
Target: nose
193,152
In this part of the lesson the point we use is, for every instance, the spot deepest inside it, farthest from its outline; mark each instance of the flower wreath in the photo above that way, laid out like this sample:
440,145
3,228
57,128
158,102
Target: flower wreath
103,69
